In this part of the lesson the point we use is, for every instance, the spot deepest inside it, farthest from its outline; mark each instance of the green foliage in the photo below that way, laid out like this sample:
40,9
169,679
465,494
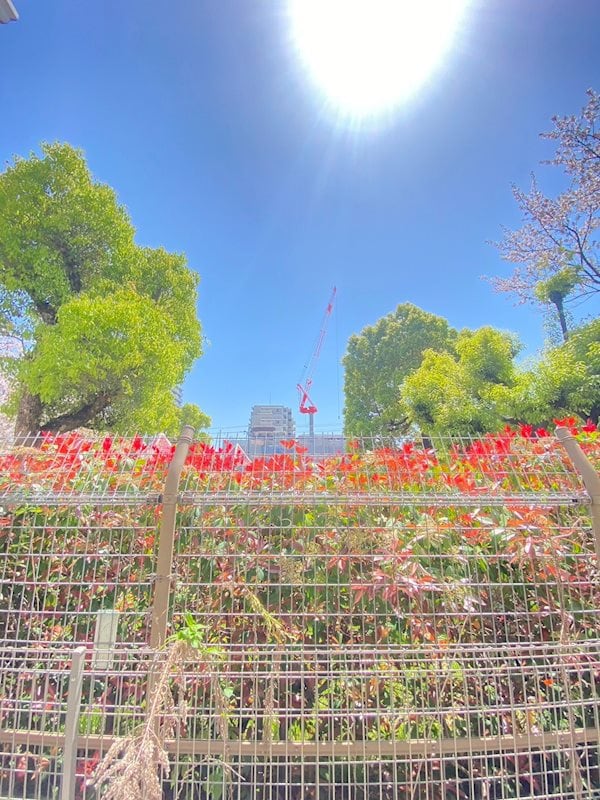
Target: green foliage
481,389
412,371
190,414
109,327
118,335
16,328
457,394
59,230
565,381
377,361
558,286
486,355
554,291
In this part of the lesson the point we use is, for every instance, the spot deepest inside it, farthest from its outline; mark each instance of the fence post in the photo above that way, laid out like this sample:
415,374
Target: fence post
72,724
591,479
164,567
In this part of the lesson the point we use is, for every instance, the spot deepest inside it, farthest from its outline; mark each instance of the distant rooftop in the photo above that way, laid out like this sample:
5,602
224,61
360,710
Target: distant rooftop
8,13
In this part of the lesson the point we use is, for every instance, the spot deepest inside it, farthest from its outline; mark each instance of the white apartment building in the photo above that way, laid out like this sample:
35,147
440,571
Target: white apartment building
271,422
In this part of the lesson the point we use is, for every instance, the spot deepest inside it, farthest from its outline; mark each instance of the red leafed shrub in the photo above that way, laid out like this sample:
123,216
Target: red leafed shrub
452,554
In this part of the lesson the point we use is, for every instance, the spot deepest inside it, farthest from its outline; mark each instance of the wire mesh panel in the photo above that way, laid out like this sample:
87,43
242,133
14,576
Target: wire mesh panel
503,468
35,682
79,523
276,722
32,700
74,469
392,621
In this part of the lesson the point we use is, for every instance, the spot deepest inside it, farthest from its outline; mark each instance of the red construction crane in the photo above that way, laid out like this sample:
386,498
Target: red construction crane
306,404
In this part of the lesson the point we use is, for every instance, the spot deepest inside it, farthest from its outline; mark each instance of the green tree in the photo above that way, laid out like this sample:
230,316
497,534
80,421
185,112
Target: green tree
565,381
482,389
554,291
377,361
458,393
107,328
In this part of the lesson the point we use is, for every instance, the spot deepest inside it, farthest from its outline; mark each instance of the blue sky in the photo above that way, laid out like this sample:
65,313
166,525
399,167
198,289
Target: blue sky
199,114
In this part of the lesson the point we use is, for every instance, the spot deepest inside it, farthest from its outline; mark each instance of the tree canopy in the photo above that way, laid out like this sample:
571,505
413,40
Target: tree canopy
458,393
411,372
108,328
377,361
566,380
559,235
482,388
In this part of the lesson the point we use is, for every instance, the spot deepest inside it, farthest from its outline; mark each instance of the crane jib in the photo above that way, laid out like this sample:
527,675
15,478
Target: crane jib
304,385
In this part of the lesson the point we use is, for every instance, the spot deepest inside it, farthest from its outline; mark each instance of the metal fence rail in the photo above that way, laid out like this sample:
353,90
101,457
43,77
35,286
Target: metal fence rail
392,622
512,722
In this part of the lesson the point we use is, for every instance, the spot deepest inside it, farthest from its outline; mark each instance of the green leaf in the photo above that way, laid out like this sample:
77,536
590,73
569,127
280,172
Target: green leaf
111,327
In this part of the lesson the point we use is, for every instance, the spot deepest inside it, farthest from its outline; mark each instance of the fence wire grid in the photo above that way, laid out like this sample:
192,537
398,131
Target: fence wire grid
392,621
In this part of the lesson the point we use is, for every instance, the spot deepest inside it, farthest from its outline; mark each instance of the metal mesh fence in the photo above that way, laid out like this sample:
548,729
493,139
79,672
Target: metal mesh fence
392,621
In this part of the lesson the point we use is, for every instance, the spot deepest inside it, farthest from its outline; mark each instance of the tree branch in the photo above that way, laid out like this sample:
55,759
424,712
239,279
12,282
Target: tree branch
79,418
46,311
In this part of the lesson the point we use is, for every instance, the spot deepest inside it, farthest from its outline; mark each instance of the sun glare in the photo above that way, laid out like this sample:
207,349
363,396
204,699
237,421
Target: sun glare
369,56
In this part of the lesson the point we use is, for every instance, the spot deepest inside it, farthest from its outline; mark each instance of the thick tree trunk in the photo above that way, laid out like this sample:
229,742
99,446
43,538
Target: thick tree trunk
29,418
79,418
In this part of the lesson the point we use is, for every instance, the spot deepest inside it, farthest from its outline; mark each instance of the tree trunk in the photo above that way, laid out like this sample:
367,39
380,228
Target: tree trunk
29,418
560,308
80,417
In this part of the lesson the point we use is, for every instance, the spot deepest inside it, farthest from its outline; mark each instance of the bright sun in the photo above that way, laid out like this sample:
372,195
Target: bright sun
368,56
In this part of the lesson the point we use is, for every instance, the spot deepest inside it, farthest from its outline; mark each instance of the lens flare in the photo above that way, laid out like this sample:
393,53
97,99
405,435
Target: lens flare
369,56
